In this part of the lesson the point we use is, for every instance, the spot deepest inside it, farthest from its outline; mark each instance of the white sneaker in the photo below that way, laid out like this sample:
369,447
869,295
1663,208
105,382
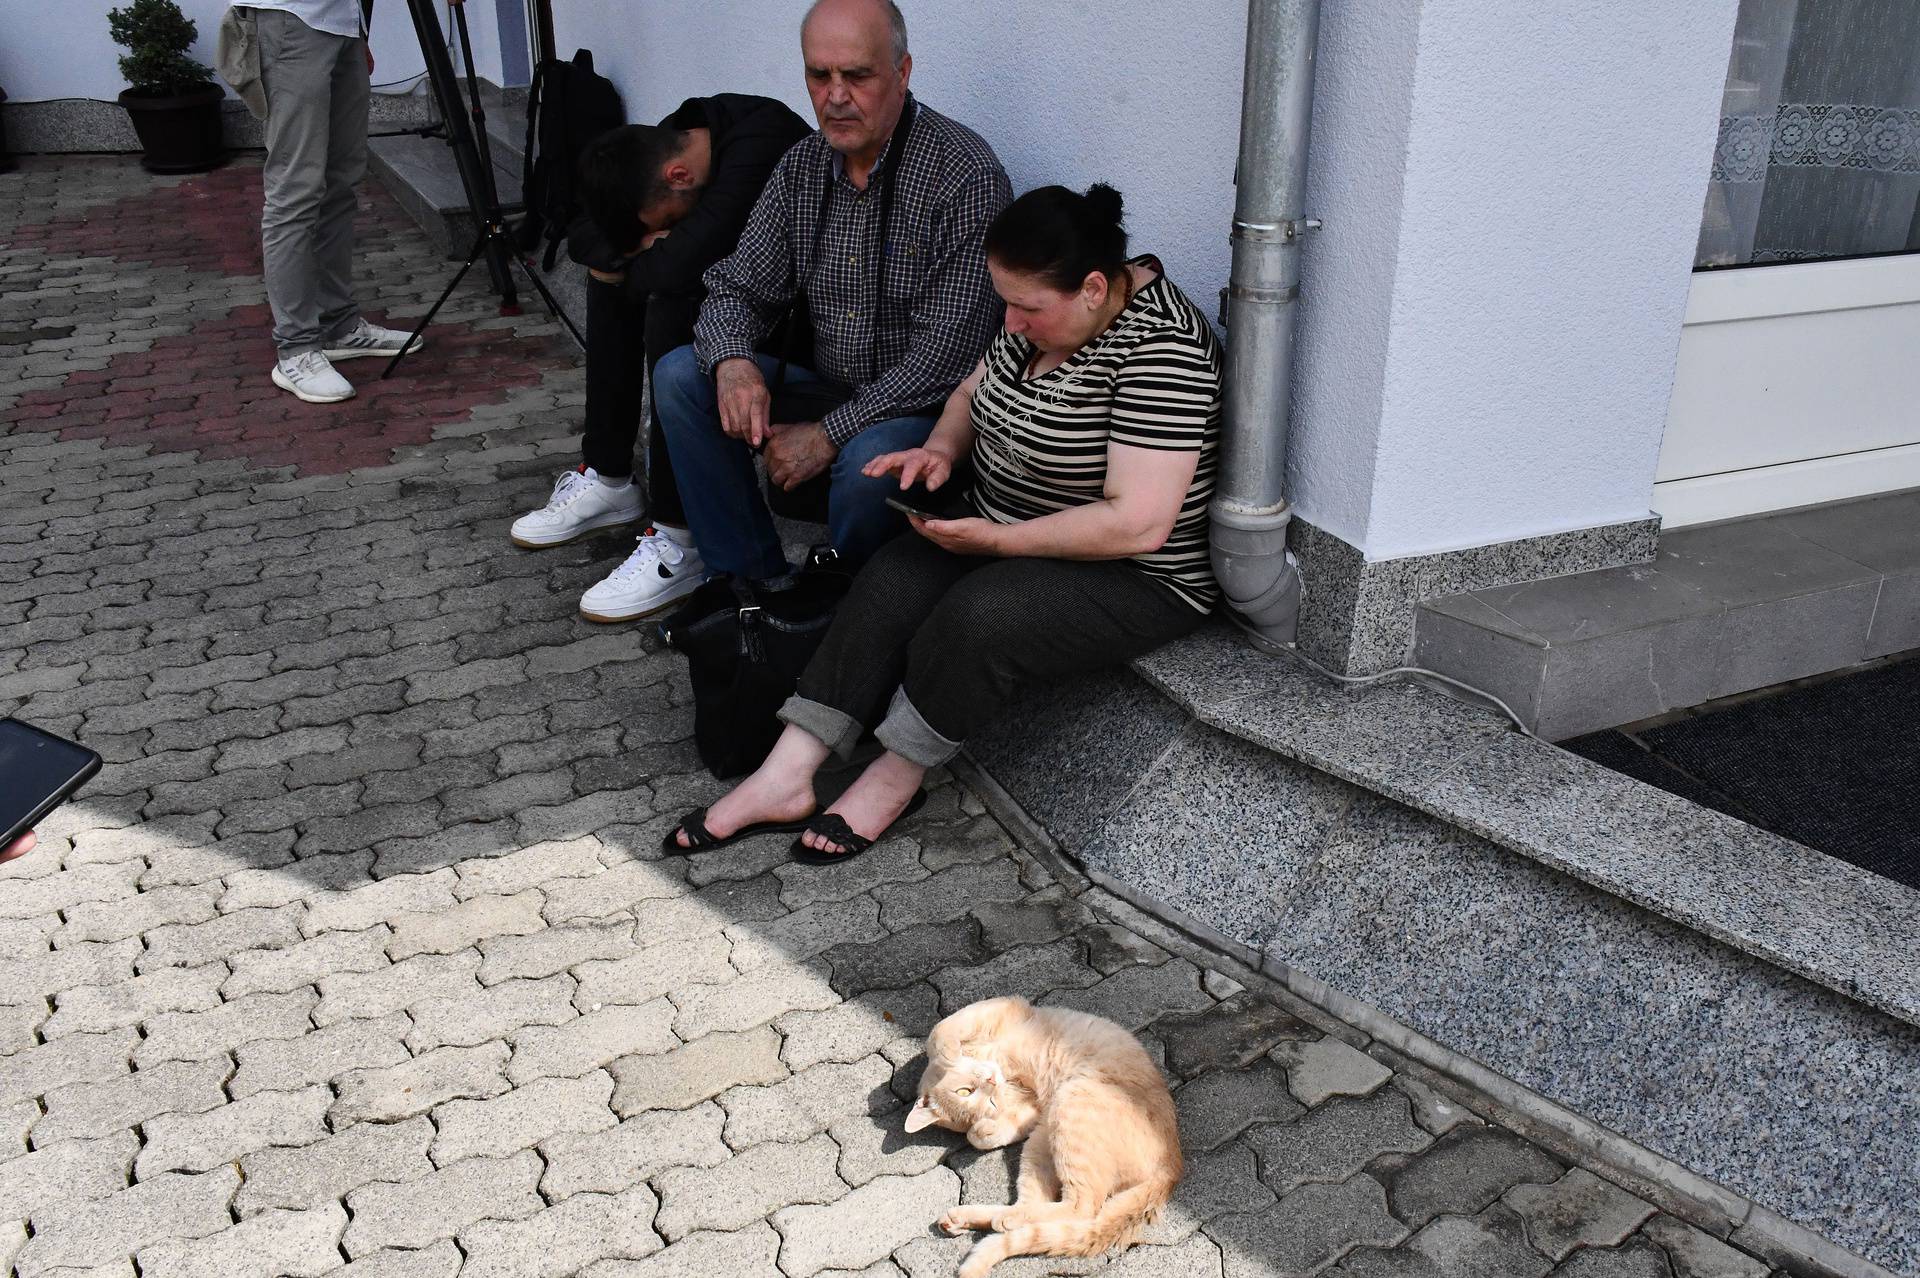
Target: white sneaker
312,378
580,504
365,339
658,572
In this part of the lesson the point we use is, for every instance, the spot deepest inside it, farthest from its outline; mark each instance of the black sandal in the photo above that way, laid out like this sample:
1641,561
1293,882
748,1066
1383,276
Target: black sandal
694,826
834,828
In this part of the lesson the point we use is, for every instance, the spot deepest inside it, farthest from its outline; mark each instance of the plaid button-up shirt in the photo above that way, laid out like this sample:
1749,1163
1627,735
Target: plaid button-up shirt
937,308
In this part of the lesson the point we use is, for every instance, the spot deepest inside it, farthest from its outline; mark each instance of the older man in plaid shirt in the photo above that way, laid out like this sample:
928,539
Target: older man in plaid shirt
878,221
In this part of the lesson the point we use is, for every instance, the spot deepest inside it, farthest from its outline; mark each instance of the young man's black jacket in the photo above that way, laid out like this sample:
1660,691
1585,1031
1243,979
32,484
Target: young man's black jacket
749,136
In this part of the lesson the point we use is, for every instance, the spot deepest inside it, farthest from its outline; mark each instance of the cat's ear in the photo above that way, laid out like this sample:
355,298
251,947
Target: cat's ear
921,1115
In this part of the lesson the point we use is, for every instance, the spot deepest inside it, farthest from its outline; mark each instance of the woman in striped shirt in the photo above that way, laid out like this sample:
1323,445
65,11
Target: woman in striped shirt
1091,426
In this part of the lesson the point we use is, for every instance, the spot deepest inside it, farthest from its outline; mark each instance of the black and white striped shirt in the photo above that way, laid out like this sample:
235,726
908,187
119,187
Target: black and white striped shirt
938,307
1151,380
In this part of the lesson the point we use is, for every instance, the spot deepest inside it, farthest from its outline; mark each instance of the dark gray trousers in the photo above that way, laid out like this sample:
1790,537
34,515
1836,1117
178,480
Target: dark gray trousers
929,645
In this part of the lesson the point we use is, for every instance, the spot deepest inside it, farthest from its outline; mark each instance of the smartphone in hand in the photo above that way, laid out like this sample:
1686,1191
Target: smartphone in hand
38,772
918,501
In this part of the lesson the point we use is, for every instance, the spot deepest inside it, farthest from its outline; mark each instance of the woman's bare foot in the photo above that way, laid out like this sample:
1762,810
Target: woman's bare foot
873,802
780,790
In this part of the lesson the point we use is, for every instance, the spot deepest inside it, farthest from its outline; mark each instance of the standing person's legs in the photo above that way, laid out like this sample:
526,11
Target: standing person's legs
350,94
297,66
858,517
718,487
669,326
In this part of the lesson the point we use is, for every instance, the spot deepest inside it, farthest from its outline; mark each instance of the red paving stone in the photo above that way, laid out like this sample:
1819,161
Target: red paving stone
209,392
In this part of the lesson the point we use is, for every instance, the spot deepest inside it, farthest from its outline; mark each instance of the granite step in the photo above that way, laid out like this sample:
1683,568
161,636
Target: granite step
1724,609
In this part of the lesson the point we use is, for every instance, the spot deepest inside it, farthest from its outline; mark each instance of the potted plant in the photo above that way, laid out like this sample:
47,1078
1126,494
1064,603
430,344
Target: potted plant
174,101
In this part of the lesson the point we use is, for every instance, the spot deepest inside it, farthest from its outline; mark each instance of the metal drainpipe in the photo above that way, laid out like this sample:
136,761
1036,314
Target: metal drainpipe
1249,509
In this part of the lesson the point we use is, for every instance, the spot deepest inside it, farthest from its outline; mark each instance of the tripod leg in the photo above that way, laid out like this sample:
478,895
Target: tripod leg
546,295
434,310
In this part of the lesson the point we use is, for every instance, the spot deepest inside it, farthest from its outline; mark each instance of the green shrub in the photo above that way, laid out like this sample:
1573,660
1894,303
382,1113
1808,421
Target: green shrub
157,36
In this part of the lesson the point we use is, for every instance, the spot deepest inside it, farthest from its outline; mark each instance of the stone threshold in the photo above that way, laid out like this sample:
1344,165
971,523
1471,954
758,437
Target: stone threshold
1724,609
1576,1139
1798,909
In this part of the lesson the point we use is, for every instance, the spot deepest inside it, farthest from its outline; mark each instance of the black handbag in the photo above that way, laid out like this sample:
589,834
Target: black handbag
746,644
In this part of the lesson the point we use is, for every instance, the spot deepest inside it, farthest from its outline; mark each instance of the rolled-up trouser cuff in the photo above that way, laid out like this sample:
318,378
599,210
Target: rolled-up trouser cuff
908,735
839,732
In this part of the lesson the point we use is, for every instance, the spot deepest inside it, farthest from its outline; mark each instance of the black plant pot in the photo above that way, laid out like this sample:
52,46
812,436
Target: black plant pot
181,133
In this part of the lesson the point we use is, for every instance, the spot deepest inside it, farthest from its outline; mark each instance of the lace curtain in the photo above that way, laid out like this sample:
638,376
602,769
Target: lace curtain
1819,150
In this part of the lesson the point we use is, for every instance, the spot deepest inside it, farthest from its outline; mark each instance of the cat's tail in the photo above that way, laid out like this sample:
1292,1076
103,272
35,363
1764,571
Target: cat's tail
1118,1222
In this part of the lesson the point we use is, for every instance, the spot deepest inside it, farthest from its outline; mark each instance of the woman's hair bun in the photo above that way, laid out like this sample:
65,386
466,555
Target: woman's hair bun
1104,203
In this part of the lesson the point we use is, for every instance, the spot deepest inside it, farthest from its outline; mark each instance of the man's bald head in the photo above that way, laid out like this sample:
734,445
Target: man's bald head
863,12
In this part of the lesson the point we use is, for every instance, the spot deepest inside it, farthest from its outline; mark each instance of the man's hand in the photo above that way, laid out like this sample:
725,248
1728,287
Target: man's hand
798,452
369,62
652,238
607,277
973,536
928,466
745,403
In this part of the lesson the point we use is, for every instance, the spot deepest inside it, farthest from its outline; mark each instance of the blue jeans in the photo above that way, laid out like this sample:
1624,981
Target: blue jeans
725,509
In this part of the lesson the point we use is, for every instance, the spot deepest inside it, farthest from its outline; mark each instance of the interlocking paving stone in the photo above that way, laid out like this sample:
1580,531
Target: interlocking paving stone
1336,1140
1578,1210
317,1174
808,1102
102,1108
752,1000
444,931
1134,996
747,1187
747,1252
858,1027
1216,1107
1694,1254
875,1145
201,1142
591,1041
1464,1172
866,1225
949,894
62,1062
498,1010
1311,1226
442,1260
904,957
360,908
1436,1112
892,860
274,1244
389,989
551,950
1031,971
1229,1035
697,1072
1490,1245
637,1150
334,954
1224,1182
522,1118
671,965
1636,1258
63,1172
93,1009
804,933
442,1204
320,1056
110,1229
416,1086
564,1238
1323,1068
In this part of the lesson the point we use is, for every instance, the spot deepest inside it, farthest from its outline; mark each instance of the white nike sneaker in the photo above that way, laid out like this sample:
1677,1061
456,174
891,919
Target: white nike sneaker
312,378
658,572
580,504
365,339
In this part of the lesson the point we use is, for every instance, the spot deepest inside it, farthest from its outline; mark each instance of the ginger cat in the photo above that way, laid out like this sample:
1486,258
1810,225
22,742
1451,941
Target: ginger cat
1103,1152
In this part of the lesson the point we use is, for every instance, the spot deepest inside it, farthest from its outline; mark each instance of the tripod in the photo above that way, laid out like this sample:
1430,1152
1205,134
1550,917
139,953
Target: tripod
475,163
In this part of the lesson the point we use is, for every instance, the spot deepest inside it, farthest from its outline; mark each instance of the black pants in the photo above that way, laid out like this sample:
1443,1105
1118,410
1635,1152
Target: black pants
929,645
617,330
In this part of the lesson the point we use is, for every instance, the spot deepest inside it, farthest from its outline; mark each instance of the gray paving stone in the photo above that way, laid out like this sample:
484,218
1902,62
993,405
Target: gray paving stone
117,920
892,860
1312,1226
494,1012
529,867
1693,1254
613,890
62,1062
565,1238
442,1260
203,1141
752,1000
1224,1182
636,1150
112,1228
748,1253
808,1102
1031,971
522,1118
805,933
317,1174
857,1028
710,909
1323,1068
319,1056
1433,1109
1335,1141
63,1172
594,812
1216,1107
1464,1172
389,989
549,950
905,957
1134,996
673,965
446,930
96,1009
1578,1210
872,1146
311,878
66,889
590,1041
102,1108
697,1072
421,1212
219,1030
362,907
416,1086
949,894
275,1244
866,1225
747,1187
1230,1035
335,954
1490,1245
1636,1258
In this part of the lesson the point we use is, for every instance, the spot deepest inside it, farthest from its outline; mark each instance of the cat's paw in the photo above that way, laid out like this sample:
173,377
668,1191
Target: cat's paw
1008,1218
964,1220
